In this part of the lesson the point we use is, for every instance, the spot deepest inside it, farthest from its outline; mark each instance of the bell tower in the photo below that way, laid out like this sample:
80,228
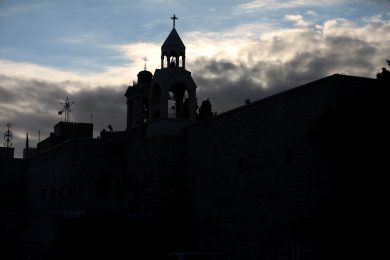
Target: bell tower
137,99
173,51
173,90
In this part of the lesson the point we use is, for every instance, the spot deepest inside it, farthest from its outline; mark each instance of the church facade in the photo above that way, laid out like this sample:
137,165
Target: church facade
246,184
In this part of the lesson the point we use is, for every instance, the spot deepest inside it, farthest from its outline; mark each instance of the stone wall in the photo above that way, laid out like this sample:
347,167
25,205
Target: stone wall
76,180
155,168
240,184
122,176
252,172
13,200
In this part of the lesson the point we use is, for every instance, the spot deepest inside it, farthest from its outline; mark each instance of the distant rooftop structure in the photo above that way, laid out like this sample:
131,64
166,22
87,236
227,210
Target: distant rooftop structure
6,152
64,131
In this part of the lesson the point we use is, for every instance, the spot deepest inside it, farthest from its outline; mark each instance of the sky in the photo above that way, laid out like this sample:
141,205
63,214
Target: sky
92,50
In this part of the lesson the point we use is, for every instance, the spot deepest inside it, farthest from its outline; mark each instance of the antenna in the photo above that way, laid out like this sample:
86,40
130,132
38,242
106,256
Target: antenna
8,136
66,109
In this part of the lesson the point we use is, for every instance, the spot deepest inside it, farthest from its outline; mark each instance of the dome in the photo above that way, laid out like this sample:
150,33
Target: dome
144,77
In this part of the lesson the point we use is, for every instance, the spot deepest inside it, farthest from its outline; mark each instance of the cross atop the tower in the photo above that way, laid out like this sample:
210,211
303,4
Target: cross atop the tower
174,18
145,59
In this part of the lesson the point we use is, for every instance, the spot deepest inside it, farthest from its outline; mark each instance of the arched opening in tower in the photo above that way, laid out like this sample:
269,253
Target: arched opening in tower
173,63
173,60
178,106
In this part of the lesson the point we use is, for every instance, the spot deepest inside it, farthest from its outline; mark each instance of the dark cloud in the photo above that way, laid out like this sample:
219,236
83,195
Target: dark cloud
225,94
312,56
106,104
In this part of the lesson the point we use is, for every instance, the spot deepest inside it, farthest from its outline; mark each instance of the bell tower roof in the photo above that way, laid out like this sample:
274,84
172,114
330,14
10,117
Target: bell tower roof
173,50
173,43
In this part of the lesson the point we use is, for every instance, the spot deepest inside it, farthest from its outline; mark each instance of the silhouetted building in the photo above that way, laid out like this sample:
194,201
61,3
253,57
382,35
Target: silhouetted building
246,184
30,152
138,100
7,152
64,131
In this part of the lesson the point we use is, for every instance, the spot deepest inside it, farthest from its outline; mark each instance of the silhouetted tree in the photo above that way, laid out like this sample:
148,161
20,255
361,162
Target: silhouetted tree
384,76
205,110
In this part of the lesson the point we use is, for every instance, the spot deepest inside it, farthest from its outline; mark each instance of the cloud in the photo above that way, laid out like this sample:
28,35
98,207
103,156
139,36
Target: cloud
74,81
228,68
282,4
298,20
312,13
84,38
286,58
137,51
19,8
25,70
